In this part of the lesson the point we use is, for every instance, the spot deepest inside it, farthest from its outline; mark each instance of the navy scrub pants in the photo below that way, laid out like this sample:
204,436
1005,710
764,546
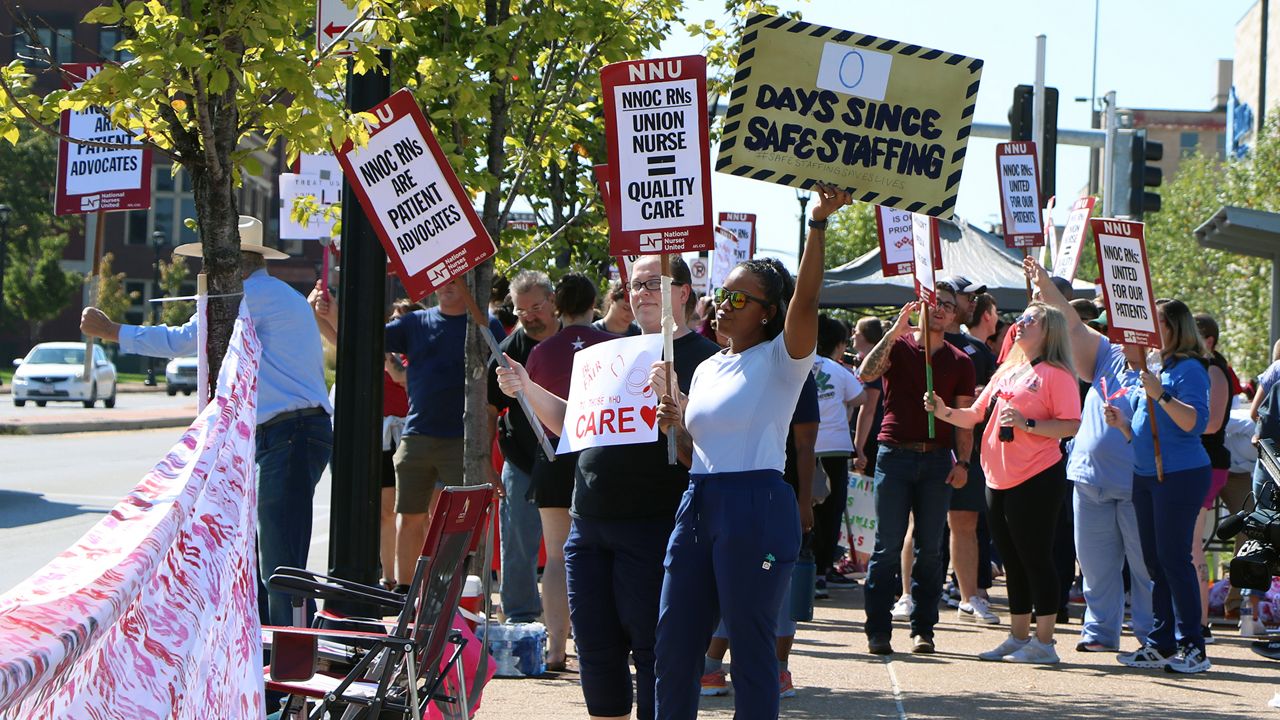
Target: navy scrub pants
615,582
731,553
1167,514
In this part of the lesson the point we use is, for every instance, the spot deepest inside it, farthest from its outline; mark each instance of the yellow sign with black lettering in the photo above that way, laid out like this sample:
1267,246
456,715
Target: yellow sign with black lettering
886,120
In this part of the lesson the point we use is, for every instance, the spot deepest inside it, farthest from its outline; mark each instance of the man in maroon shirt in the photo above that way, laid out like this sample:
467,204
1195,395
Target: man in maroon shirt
914,472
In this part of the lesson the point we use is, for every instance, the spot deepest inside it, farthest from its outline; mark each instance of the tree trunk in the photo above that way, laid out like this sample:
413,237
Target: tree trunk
218,220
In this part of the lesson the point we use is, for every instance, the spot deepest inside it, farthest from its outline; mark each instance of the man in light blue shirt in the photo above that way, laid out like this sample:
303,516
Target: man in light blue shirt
294,435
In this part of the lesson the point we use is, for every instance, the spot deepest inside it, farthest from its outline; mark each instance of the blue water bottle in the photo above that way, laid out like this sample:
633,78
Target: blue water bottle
803,578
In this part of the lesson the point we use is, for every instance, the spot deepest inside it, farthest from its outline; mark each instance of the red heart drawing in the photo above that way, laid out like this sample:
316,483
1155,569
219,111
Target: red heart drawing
649,414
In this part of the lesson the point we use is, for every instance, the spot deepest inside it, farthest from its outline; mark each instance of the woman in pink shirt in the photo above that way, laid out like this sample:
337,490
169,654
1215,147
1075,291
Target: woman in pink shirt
1035,402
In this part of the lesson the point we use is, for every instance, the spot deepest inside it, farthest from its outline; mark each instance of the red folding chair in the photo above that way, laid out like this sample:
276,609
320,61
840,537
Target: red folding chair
399,668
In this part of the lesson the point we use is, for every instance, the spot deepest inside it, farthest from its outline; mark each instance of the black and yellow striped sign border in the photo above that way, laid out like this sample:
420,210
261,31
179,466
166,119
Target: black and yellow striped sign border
737,103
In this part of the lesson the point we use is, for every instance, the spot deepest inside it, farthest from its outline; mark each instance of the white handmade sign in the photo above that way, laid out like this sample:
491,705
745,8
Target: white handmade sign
610,400
327,193
923,230
730,250
860,505
1067,259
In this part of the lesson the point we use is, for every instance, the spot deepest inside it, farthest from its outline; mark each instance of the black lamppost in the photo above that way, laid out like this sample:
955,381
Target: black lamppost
158,244
803,196
5,210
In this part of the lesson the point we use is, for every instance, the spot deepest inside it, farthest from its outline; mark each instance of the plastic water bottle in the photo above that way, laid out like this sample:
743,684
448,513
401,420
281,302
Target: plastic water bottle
803,577
496,638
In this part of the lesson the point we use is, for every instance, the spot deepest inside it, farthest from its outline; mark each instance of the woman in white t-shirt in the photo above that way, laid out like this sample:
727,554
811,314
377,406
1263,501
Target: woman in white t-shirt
839,393
738,530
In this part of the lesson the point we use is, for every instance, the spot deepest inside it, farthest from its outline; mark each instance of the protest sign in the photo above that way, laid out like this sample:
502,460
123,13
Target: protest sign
1019,194
97,179
327,194
743,225
412,197
730,250
1126,282
1067,259
655,114
924,236
860,506
610,401
887,121
893,229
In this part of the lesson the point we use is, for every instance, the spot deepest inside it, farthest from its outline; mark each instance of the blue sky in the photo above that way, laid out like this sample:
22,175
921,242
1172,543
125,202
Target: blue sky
1164,59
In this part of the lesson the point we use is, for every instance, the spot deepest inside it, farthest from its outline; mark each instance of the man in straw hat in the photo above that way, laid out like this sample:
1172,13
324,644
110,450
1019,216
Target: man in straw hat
294,436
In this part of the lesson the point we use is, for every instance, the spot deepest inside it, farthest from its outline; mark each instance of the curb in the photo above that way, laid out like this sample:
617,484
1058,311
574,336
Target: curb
122,388
83,426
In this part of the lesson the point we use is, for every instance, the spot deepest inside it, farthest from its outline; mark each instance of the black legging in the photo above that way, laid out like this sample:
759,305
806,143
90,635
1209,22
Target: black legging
1024,519
829,514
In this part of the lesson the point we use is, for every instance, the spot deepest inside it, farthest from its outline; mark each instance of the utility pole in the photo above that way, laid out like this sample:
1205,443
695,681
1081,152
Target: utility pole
1108,152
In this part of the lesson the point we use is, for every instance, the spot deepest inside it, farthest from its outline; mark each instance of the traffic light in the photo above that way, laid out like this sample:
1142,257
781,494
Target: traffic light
1143,175
1021,127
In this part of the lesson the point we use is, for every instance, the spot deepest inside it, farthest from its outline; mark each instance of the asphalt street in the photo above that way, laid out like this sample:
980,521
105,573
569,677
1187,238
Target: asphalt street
53,488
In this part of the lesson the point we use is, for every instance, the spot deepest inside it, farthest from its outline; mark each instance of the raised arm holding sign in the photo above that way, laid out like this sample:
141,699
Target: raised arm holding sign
923,231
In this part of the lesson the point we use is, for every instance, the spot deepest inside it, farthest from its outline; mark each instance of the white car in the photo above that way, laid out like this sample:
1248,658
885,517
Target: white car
55,371
180,374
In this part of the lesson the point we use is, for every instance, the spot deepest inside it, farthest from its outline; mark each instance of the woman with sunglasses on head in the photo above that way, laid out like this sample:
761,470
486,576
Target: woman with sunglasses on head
1167,507
737,531
623,508
1035,402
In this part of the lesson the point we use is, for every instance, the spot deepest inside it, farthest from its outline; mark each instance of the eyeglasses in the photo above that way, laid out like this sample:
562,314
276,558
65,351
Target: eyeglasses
947,305
531,311
1025,319
737,299
652,284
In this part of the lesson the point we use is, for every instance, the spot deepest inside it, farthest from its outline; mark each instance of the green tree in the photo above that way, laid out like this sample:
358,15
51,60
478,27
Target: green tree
209,83
36,288
851,234
112,300
172,275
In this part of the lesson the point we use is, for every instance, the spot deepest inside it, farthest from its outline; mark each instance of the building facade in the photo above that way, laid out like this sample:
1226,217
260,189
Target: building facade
1184,133
1255,91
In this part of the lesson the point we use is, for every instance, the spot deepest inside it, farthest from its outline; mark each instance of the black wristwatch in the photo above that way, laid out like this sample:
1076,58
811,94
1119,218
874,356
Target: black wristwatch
963,463
1164,397
1030,422
817,224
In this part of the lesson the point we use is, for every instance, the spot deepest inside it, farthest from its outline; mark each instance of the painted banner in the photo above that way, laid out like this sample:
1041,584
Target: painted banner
610,401
730,250
327,193
860,506
743,225
924,235
1126,282
420,211
154,612
897,257
655,118
886,120
1067,259
93,179
1019,194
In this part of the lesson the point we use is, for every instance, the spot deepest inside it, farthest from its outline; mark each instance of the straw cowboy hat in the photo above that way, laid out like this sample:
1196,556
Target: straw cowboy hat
250,241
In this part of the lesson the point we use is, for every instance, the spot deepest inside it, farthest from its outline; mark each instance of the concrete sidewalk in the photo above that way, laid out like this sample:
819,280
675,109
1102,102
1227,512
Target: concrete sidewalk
95,420
836,678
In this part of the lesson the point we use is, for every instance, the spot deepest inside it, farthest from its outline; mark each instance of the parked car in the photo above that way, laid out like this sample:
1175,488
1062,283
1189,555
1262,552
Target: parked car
55,372
180,374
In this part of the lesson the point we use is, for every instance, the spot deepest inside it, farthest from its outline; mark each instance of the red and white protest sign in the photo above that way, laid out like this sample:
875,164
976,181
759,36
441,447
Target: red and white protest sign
94,179
1020,194
924,236
1126,282
655,114
610,401
743,225
414,200
1067,260
730,250
893,228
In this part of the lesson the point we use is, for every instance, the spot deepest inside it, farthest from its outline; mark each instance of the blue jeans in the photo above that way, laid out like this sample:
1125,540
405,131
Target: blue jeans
521,539
908,483
291,456
1107,535
615,584
1167,513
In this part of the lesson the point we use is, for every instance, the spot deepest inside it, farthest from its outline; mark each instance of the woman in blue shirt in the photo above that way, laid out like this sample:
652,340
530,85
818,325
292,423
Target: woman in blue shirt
1178,399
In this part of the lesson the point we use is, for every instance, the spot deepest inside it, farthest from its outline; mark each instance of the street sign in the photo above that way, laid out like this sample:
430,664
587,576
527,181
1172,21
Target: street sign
1067,260
700,275
95,179
1020,194
741,224
655,114
1126,282
418,208
924,232
332,18
897,254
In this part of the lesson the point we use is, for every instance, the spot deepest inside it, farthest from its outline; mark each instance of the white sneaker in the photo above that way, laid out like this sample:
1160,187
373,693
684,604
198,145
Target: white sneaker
1251,627
1034,651
1010,645
1189,660
1146,657
903,608
977,610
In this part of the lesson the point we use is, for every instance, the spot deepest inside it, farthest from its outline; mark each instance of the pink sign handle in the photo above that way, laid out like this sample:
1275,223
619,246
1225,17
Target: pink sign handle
324,270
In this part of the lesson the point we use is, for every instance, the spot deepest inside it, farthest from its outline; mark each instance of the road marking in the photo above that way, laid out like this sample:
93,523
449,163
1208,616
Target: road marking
897,689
